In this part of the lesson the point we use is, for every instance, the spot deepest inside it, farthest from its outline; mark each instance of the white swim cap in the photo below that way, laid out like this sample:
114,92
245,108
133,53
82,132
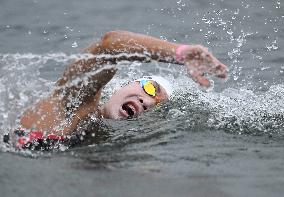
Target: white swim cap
161,81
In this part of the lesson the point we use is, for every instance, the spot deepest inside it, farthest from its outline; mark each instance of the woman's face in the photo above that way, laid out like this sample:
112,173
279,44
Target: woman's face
130,101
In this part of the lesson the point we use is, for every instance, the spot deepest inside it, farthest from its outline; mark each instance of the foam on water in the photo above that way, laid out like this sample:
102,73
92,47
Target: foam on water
236,111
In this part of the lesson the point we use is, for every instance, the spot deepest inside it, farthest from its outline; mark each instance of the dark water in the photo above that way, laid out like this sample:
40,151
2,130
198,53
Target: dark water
225,142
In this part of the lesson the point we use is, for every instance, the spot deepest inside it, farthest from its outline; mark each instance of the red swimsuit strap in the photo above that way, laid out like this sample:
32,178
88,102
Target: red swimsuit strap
35,135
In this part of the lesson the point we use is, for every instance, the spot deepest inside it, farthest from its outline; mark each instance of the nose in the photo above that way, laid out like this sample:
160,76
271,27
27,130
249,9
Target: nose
143,105
147,103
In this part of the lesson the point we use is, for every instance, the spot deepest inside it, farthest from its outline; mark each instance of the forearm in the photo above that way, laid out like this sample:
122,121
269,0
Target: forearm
76,95
135,47
121,45
81,88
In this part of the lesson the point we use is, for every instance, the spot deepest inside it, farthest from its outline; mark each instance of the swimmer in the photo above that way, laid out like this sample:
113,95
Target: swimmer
78,91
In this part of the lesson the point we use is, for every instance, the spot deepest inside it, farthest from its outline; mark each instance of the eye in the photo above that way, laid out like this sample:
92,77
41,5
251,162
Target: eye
145,108
141,100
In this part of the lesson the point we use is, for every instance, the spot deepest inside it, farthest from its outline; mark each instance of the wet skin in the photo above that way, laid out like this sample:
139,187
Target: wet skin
131,101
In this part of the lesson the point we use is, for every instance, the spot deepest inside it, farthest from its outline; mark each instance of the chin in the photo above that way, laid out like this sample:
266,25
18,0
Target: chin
114,117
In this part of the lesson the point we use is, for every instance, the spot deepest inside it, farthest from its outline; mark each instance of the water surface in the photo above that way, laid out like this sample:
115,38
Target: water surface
225,142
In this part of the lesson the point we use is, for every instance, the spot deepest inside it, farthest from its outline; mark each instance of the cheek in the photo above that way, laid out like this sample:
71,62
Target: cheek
123,93
117,97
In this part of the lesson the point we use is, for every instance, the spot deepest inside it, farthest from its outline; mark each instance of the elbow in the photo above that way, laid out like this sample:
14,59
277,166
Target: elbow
112,36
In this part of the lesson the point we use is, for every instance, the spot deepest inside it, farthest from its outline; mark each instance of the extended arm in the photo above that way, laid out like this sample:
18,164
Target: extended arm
77,92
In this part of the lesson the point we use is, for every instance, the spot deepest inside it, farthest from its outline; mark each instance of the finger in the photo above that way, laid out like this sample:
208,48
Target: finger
216,68
221,71
203,81
197,76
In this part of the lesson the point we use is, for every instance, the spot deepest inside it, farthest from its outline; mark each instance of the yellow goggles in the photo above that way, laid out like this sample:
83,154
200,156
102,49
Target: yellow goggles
150,89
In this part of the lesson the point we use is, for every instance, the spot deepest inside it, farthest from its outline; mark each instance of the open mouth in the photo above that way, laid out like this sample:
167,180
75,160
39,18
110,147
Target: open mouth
129,109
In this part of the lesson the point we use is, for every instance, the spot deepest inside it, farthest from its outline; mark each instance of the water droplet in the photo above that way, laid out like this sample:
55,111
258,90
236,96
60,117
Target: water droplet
74,45
230,32
272,46
278,4
237,11
163,38
11,96
264,68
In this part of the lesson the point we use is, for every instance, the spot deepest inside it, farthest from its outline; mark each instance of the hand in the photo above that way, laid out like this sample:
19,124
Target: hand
200,62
